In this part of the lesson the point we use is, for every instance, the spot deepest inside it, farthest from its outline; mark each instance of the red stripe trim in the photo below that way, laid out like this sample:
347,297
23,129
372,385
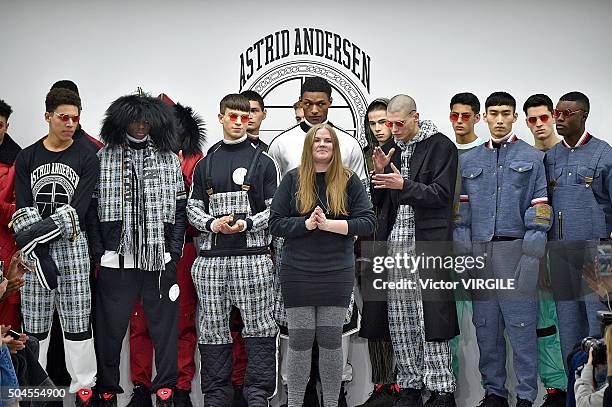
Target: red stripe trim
538,201
581,141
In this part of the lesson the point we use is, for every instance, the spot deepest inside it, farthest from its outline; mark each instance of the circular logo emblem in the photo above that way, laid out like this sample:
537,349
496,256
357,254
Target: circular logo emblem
238,175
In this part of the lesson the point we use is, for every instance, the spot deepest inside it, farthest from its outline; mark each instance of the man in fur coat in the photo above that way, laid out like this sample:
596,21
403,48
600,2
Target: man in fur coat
141,203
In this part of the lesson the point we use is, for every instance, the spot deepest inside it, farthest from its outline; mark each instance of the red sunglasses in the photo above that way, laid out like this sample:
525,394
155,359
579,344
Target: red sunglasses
65,117
464,116
566,113
244,119
534,119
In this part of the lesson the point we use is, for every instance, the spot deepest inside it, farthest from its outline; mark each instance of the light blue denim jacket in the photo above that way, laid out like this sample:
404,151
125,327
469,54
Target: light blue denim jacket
503,196
580,187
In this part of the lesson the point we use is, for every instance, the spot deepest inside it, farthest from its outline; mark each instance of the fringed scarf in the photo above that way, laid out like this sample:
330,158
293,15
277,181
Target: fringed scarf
140,195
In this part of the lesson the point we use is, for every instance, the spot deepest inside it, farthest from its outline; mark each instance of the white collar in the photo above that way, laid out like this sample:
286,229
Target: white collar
240,140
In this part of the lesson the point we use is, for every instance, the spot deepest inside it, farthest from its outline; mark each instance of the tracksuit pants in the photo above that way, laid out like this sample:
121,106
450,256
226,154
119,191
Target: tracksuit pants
116,294
141,345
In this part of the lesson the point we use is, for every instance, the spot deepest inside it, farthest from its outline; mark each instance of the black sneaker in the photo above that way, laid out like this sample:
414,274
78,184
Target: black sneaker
342,397
311,396
107,400
441,399
383,395
554,398
163,397
182,398
523,403
141,397
409,398
493,400
84,398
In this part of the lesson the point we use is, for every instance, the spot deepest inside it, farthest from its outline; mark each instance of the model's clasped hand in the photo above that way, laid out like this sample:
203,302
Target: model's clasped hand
317,220
221,225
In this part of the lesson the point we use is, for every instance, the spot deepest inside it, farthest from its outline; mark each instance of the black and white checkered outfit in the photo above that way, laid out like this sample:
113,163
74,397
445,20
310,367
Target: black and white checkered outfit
223,281
419,363
71,256
243,281
71,298
235,269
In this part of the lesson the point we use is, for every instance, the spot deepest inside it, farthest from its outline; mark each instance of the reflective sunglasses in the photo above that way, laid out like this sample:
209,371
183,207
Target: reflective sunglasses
65,117
464,116
534,119
399,123
566,113
244,119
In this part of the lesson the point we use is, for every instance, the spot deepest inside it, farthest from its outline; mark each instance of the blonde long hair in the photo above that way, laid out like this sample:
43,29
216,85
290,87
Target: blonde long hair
336,176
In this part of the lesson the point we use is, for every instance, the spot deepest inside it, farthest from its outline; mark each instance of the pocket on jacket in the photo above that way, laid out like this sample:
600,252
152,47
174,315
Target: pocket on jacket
471,179
520,173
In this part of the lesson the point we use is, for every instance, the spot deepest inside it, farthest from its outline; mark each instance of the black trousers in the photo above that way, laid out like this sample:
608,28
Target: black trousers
116,294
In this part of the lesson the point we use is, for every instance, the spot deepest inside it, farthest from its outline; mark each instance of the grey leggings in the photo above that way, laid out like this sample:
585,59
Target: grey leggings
304,323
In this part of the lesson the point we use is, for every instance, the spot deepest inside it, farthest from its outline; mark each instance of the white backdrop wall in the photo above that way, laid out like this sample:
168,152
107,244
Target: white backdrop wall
191,50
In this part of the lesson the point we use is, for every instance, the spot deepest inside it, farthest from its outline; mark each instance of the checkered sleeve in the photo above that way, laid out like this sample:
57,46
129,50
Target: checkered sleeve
537,217
259,221
197,204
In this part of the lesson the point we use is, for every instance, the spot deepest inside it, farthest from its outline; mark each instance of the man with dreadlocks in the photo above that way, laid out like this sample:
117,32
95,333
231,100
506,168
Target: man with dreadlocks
141,203
192,135
230,204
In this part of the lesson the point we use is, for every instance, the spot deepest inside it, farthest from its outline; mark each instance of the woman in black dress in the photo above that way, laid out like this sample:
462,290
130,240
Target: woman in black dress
318,208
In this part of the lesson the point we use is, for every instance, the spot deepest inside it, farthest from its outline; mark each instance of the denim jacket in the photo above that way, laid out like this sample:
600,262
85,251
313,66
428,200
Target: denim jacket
580,188
503,193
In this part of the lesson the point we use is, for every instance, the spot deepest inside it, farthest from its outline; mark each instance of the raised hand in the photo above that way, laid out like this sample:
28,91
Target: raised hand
381,160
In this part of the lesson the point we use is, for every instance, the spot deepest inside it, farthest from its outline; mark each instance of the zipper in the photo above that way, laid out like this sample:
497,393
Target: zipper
560,221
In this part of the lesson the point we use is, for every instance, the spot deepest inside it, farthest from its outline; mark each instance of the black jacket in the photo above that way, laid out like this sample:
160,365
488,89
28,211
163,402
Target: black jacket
430,191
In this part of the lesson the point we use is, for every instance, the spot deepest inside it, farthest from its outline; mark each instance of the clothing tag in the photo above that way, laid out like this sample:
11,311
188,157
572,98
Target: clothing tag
174,292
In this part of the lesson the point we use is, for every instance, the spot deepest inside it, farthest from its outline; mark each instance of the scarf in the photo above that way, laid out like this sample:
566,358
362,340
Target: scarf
139,189
427,129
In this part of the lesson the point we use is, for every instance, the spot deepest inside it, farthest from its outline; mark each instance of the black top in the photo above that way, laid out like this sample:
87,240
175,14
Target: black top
88,142
319,250
229,163
51,179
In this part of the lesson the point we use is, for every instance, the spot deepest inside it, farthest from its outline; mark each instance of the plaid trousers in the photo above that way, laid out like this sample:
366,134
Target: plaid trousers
243,281
418,362
72,297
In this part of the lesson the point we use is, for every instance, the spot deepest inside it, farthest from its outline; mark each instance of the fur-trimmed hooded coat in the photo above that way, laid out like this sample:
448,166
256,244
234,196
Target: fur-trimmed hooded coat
134,108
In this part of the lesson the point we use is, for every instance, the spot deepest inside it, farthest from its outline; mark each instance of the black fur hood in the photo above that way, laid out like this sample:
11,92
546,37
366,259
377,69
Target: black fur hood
191,130
133,108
